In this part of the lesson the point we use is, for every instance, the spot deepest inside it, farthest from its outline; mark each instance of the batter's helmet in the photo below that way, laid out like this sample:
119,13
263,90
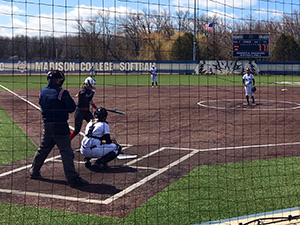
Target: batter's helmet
90,82
101,114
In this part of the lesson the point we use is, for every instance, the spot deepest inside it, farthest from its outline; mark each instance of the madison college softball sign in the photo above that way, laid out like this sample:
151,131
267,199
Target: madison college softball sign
35,66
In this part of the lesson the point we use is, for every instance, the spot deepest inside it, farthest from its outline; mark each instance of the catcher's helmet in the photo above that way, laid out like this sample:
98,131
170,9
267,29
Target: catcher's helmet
90,82
101,114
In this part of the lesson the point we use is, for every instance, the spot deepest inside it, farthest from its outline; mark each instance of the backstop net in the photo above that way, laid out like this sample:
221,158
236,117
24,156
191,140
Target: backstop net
149,112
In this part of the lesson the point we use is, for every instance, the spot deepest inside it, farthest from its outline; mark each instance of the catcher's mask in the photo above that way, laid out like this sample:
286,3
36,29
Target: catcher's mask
56,74
101,114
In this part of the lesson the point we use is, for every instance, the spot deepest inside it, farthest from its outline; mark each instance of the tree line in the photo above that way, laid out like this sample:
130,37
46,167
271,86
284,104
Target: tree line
155,36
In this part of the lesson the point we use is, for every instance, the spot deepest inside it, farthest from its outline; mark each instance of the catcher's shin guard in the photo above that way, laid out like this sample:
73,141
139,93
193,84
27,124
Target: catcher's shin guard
119,149
102,162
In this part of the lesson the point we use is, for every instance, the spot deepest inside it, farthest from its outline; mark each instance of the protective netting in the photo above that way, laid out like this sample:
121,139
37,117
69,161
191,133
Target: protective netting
176,80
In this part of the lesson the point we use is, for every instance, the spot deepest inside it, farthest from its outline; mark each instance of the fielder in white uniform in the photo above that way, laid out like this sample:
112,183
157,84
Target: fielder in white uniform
97,142
153,72
92,71
249,82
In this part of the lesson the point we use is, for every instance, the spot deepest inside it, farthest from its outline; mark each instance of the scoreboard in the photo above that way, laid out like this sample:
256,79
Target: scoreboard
250,45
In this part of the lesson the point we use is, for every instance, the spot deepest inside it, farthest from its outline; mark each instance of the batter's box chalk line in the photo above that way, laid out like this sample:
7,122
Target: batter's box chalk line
159,171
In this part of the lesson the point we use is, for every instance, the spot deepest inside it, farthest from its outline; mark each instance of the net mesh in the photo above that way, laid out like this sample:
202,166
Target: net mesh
198,146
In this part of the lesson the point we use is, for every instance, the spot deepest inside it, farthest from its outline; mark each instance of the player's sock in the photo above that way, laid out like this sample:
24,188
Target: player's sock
72,135
247,97
152,84
253,99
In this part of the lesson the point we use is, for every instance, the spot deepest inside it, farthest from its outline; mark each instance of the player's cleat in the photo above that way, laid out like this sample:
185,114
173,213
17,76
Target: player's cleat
100,166
87,162
78,182
35,175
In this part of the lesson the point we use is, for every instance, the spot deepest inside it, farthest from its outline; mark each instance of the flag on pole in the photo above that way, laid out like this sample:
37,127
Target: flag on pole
209,27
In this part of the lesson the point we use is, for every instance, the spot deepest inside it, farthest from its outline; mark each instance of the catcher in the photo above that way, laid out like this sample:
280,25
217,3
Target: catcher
85,96
97,142
249,82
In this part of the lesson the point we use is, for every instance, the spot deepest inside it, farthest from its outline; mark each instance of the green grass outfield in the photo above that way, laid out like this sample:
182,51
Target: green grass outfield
207,193
38,82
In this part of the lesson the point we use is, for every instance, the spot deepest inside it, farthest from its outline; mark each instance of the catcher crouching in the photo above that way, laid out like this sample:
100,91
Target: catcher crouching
97,142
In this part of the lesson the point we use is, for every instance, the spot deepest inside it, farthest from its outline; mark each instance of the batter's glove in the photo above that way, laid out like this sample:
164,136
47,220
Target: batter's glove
254,89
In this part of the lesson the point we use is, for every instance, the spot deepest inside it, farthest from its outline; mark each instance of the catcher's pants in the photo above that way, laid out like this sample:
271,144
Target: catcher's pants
49,139
99,150
248,89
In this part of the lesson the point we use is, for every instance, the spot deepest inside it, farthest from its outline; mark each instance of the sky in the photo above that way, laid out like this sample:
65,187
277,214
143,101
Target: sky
58,17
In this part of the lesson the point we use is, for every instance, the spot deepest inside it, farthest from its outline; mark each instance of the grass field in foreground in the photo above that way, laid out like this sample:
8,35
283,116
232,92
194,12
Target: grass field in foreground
38,82
14,143
207,193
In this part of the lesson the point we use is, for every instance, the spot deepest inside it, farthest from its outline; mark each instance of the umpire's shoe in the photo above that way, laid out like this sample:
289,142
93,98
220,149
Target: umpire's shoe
35,175
78,182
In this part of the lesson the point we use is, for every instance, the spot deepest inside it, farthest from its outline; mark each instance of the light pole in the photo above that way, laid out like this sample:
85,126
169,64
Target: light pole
194,38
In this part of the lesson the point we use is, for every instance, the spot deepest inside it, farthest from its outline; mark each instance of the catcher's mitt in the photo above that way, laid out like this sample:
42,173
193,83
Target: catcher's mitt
254,89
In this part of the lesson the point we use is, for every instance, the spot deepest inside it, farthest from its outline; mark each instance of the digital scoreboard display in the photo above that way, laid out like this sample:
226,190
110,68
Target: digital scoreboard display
250,45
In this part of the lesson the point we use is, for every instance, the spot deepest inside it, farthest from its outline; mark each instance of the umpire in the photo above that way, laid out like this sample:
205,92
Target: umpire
56,104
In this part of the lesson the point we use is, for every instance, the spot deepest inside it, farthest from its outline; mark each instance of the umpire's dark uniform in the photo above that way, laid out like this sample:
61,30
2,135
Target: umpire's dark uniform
56,104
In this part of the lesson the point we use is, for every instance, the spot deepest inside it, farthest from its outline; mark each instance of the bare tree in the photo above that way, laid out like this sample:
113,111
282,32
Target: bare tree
97,35
130,26
88,34
183,21
291,24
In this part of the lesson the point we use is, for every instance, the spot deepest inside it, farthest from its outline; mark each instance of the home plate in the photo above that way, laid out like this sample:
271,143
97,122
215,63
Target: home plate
126,156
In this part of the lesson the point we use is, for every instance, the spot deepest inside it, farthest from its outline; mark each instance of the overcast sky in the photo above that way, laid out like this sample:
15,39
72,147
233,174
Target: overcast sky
46,17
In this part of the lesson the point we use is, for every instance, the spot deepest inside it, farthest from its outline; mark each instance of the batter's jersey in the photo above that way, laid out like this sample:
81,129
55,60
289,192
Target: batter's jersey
85,97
